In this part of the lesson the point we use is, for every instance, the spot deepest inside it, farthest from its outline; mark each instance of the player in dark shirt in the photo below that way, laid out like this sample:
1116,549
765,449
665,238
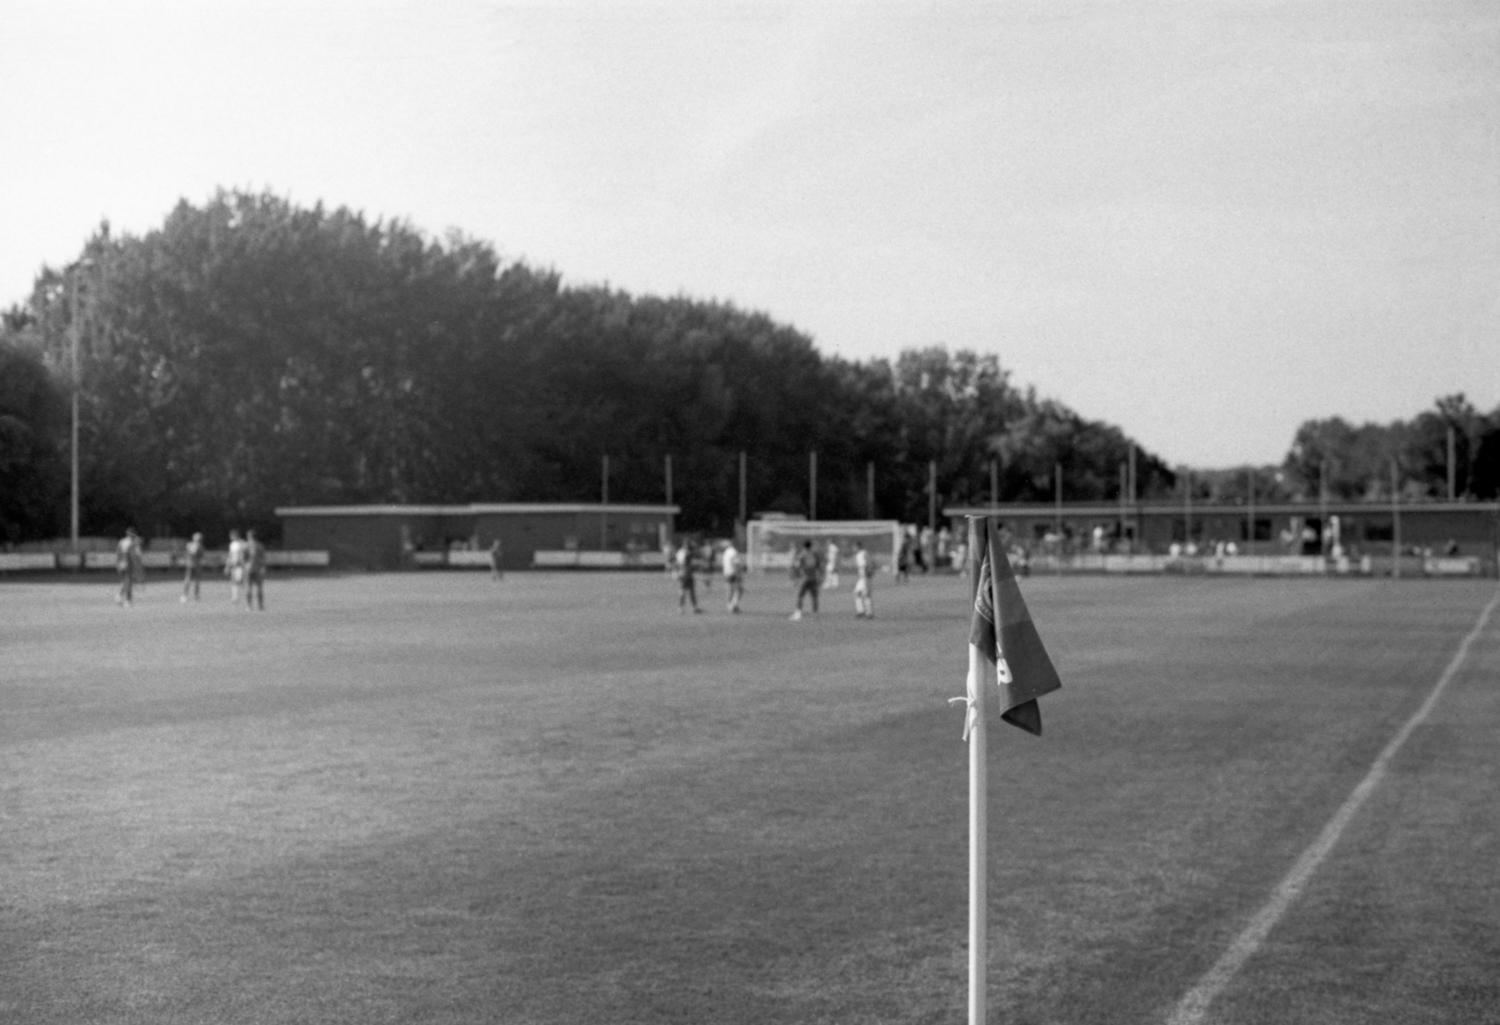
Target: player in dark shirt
807,571
685,566
255,572
192,562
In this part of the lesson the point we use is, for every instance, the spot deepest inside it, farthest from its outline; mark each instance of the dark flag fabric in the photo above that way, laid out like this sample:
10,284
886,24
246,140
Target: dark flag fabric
1002,630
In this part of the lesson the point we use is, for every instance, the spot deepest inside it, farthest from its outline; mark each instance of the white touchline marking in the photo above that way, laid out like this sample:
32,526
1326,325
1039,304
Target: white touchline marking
1194,1005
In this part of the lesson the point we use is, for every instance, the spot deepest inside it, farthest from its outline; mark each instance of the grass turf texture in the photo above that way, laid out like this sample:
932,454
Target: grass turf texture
434,798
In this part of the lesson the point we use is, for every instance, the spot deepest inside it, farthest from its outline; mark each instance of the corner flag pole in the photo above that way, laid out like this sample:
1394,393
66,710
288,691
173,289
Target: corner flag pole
1002,640
978,803
979,946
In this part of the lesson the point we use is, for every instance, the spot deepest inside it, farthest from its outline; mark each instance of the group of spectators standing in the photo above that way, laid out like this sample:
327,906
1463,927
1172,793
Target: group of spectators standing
244,565
926,550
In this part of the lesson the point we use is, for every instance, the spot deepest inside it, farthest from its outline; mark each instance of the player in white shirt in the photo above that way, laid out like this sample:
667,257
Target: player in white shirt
831,567
734,576
234,565
864,604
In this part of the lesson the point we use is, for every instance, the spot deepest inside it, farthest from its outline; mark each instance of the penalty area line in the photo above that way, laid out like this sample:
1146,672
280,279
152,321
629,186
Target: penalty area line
1194,1004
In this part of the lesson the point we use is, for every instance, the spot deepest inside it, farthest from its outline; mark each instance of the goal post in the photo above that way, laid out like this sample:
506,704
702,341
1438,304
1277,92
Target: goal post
770,544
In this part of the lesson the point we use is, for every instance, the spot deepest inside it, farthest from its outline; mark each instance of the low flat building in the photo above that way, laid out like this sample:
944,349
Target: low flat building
1464,529
388,537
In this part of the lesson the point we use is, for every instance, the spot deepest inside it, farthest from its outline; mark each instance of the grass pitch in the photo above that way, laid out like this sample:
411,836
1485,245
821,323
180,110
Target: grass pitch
433,798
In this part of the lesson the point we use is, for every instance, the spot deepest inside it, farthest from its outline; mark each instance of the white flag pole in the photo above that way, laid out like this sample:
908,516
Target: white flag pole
978,856
976,733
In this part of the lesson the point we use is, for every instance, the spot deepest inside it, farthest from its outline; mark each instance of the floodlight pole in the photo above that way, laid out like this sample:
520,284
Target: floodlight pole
1395,520
932,501
744,517
870,487
1250,516
1323,509
1187,508
812,485
669,478
75,329
1452,465
1122,501
73,444
1057,502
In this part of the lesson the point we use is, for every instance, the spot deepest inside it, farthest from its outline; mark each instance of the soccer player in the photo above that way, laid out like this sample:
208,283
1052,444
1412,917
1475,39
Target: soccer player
864,604
192,561
807,571
253,562
687,588
234,565
734,576
128,565
706,560
831,568
496,573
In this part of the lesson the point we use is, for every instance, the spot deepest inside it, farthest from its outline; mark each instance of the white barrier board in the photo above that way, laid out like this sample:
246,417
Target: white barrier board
601,560
597,560
469,559
27,560
552,560
299,558
1451,566
211,560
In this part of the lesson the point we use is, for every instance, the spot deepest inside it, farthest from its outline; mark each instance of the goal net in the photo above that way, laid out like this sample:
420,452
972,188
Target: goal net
770,544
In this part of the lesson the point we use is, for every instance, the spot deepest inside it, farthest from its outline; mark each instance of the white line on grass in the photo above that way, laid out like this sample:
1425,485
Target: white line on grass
1194,1004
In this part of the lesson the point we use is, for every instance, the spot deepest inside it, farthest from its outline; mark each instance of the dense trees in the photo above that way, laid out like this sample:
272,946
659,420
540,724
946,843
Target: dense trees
250,354
33,474
1357,461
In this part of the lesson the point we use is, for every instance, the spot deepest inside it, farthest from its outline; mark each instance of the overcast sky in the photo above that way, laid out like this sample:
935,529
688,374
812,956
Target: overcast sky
1204,221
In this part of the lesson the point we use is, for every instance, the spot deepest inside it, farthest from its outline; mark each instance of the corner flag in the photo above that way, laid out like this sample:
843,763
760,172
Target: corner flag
1002,630
1003,639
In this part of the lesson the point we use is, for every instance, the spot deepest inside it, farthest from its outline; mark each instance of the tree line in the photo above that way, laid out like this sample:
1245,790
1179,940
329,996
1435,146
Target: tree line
251,353
1451,449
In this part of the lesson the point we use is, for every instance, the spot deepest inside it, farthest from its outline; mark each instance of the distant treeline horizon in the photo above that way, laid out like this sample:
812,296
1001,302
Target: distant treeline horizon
250,354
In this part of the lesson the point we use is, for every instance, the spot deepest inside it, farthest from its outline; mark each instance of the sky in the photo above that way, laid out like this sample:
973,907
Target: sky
1205,222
